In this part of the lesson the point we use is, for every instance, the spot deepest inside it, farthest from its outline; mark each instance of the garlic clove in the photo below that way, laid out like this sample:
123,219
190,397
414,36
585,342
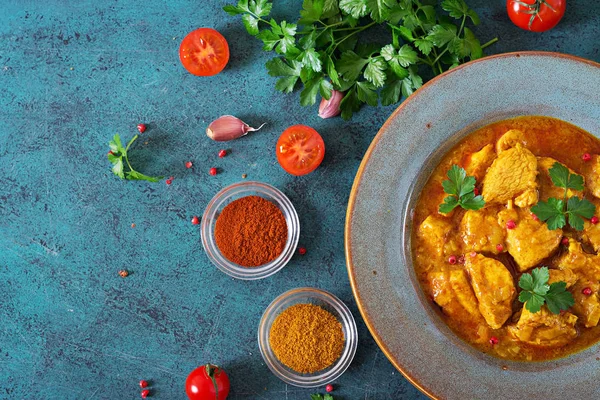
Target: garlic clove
331,108
228,127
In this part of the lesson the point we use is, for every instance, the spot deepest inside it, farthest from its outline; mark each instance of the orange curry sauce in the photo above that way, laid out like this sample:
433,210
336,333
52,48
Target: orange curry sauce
544,137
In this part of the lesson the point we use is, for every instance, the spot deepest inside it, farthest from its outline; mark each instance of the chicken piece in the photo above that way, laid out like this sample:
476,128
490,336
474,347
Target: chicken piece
452,292
494,288
481,232
436,241
480,161
547,188
510,140
512,176
587,306
564,275
544,329
530,241
592,175
591,234
583,264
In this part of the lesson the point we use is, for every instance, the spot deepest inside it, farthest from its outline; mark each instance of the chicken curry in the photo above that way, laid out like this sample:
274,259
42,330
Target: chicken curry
512,261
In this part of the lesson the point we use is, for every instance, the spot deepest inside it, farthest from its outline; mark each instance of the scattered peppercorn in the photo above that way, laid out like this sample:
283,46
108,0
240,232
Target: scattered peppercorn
244,176
124,273
169,181
499,248
461,259
133,225
195,220
586,157
452,260
587,291
476,192
565,241
302,250
188,164
329,388
594,220
143,383
494,340
473,254
511,224
145,393
222,153
213,171
141,128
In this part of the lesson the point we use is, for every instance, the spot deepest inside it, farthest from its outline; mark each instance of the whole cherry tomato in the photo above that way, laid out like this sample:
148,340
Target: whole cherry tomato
536,15
300,150
208,382
204,52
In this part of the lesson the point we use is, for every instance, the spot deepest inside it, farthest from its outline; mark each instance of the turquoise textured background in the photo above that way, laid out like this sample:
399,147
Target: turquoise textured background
73,73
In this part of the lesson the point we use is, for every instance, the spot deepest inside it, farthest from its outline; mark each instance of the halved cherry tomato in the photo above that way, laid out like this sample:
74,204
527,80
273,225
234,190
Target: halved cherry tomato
300,150
208,382
536,15
204,52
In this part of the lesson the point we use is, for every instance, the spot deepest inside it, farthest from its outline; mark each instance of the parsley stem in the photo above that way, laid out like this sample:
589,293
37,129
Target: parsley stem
353,33
494,40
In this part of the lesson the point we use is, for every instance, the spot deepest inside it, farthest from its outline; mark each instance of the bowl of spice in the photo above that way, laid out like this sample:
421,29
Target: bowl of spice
250,230
307,337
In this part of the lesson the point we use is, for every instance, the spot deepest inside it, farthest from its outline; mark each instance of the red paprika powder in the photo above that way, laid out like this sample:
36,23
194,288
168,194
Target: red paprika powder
251,231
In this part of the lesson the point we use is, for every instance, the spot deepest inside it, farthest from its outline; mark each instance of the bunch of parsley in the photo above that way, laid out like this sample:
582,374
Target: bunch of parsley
321,50
121,166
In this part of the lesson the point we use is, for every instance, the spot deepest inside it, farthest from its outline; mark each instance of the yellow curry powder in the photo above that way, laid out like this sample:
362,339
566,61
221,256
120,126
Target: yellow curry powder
306,338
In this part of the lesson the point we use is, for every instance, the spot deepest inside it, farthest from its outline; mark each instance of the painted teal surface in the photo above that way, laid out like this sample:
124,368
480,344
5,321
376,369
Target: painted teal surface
74,73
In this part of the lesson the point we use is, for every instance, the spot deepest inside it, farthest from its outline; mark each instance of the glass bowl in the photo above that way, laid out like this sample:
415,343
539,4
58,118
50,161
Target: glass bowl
330,303
237,191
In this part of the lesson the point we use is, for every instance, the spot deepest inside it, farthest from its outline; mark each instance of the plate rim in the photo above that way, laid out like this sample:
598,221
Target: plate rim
358,178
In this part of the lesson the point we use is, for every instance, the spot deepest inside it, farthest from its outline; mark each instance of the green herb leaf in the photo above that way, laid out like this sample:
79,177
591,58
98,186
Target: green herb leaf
558,298
355,8
251,24
349,103
391,93
328,397
117,168
118,157
366,93
374,72
536,291
316,396
311,11
330,8
472,45
551,212
380,9
278,67
577,209
561,177
351,65
325,89
311,58
461,188
440,35
269,39
308,96
331,71
459,9
424,45
134,175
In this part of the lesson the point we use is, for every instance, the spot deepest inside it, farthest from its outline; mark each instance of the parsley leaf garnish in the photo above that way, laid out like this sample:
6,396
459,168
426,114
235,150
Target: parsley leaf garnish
318,396
323,46
536,292
120,161
556,212
461,189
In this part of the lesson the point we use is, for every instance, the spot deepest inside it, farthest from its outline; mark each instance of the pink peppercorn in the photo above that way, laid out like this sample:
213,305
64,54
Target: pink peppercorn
594,220
587,291
143,383
586,157
141,128
494,340
565,241
499,248
195,220
302,250
213,171
188,164
145,393
511,224
452,260
222,153
329,388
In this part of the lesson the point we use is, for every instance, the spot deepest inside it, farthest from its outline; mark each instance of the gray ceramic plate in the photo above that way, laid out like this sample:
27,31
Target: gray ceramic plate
378,223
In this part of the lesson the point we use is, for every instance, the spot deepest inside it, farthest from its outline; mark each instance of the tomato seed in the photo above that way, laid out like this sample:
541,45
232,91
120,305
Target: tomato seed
145,393
222,153
143,383
188,164
565,241
195,220
141,128
594,220
586,157
329,388
499,248
302,250
452,260
511,224
494,340
213,171
587,291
